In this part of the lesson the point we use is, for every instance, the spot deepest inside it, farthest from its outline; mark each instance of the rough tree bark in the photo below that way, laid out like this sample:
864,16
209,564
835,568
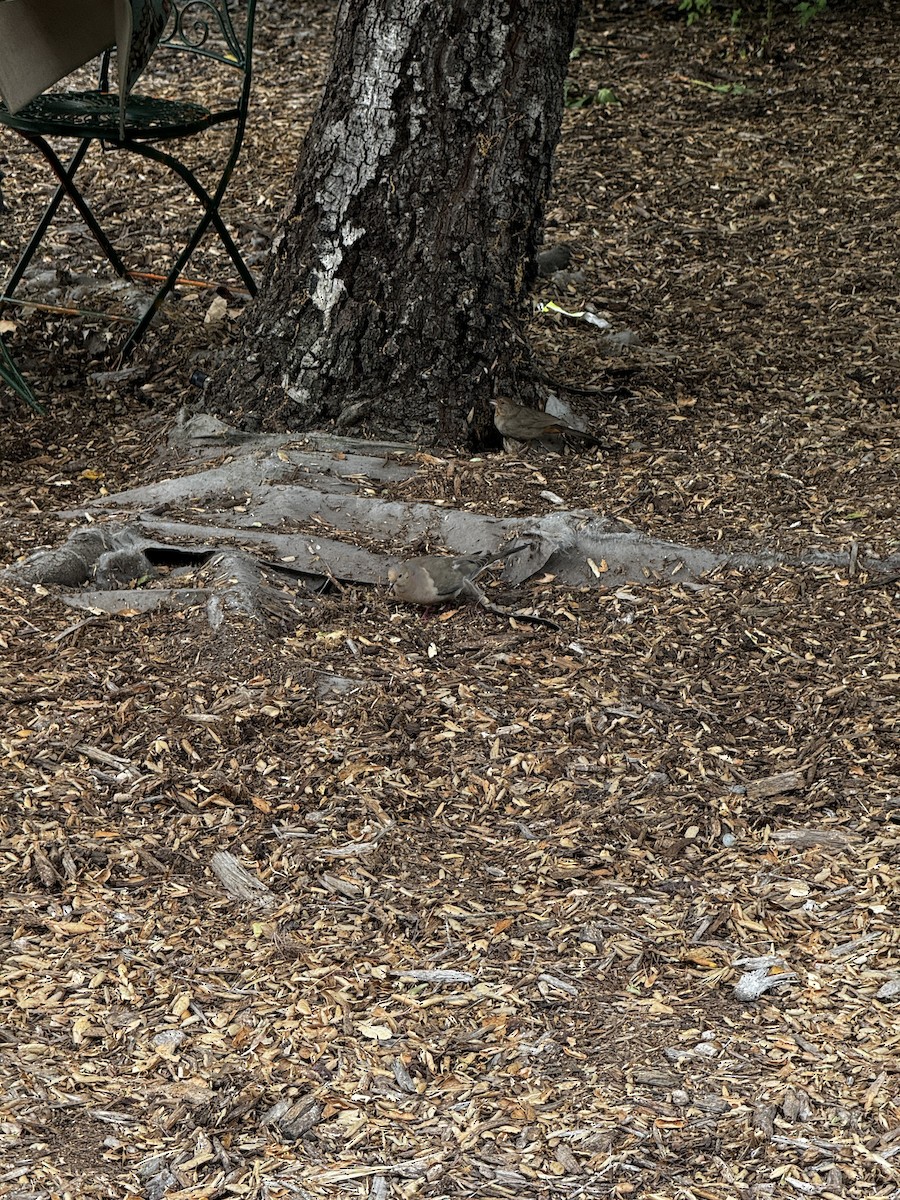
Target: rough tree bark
393,299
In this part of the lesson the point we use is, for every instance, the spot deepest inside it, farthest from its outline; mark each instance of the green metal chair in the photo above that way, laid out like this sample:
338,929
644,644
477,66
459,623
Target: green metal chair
207,28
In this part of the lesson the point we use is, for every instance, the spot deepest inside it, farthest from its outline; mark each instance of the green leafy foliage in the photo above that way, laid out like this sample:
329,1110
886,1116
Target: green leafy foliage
808,10
575,97
694,10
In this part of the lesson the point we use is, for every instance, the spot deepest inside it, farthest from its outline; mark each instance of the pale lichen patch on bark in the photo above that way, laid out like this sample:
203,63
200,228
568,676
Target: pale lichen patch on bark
356,146
329,288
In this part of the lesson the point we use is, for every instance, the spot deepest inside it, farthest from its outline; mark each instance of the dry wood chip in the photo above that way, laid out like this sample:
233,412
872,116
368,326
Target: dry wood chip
567,1159
436,976
795,1106
606,808
853,947
656,1077
802,839
238,882
294,1119
343,887
777,785
561,985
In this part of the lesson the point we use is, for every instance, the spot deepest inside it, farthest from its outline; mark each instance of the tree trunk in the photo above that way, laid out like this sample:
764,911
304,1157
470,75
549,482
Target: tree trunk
393,300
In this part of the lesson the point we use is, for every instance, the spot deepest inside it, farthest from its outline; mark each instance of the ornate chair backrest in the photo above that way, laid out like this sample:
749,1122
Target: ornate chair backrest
206,27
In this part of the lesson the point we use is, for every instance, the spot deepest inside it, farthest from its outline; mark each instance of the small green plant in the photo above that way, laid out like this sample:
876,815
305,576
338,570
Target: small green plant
695,9
808,10
574,97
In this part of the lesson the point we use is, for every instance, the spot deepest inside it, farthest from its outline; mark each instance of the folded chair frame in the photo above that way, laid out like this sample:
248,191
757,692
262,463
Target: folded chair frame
94,117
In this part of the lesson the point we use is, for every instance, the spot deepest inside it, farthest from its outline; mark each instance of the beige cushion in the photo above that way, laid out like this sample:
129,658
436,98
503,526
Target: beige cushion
43,40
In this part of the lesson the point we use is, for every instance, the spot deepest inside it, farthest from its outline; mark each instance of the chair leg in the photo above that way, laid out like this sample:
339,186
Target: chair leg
210,217
210,205
66,176
169,283
43,225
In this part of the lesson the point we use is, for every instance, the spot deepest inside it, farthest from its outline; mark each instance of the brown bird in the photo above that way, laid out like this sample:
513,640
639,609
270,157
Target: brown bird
435,578
521,424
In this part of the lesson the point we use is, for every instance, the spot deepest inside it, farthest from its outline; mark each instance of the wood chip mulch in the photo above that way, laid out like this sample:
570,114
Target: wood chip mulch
391,906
